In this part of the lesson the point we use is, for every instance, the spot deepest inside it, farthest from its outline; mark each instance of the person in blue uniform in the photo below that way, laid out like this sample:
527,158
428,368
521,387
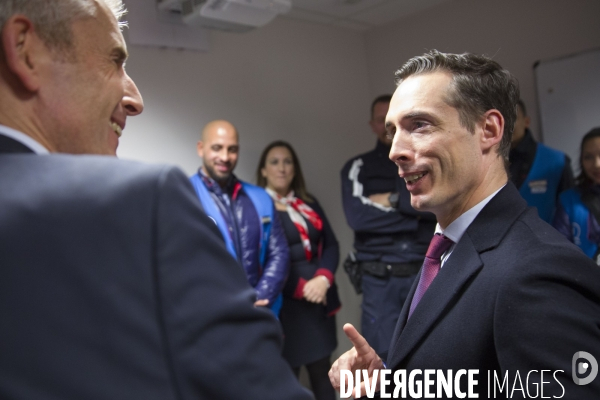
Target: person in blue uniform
578,208
390,237
538,171
244,214
310,294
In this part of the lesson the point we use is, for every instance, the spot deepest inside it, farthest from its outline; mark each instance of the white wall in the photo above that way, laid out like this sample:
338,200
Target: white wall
290,80
517,33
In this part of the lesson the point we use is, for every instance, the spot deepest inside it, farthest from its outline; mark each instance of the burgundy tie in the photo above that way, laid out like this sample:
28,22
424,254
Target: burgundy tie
431,266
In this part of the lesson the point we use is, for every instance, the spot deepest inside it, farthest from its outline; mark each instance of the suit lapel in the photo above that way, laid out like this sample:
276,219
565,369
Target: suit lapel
485,233
403,317
9,145
443,292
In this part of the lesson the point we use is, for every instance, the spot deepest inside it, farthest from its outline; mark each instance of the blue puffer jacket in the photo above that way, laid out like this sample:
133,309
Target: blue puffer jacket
244,225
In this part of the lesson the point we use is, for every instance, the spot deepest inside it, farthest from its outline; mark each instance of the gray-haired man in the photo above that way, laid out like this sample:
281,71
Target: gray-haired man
113,283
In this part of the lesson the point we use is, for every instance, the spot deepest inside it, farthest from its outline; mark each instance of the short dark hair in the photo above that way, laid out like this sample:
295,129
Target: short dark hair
582,181
479,84
298,185
384,98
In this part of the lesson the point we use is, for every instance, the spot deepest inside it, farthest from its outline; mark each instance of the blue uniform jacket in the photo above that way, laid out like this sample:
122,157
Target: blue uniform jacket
574,220
244,228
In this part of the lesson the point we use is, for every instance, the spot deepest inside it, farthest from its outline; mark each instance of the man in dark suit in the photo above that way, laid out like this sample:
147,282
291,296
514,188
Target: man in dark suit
500,291
113,282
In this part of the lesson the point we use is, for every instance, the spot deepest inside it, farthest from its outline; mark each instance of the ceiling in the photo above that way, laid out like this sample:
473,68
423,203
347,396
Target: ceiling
360,15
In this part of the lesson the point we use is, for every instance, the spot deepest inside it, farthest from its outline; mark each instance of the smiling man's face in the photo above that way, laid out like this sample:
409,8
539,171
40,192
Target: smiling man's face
219,150
440,160
88,93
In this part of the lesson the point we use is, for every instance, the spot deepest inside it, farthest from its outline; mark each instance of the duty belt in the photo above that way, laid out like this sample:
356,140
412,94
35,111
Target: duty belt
385,270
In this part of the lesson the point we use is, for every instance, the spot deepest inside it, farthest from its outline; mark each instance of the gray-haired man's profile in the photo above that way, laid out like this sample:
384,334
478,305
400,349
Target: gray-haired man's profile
113,282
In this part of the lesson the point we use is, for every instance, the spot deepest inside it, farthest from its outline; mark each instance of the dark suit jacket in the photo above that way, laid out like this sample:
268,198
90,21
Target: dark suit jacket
115,285
514,295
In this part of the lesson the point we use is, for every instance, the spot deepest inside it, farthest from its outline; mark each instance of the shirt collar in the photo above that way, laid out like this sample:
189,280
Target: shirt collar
459,226
24,139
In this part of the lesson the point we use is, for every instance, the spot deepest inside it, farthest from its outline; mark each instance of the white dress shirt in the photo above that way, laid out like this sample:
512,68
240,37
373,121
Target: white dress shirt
458,227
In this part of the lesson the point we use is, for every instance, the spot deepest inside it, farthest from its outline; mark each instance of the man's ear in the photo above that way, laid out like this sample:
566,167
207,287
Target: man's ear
493,129
23,50
200,149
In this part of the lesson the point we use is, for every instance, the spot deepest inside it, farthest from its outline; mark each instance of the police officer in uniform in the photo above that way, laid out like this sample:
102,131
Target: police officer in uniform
539,172
390,237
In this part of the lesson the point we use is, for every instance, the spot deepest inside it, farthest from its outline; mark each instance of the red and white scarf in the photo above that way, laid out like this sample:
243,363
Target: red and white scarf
298,211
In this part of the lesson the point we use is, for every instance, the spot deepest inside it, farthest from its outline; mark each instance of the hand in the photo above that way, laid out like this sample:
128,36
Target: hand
361,356
316,289
381,198
261,303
